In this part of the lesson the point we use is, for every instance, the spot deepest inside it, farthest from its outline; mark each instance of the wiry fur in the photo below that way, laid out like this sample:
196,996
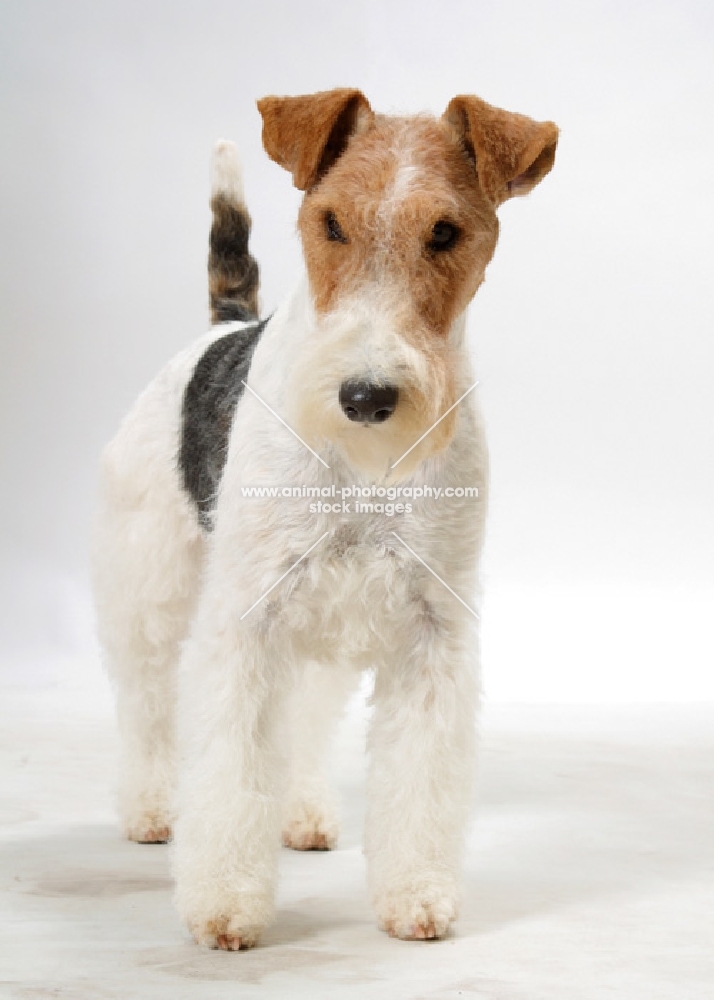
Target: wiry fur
209,676
233,275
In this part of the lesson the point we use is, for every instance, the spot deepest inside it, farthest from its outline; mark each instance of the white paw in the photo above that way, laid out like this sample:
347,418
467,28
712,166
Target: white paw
146,809
225,933
151,827
224,878
230,919
310,826
416,913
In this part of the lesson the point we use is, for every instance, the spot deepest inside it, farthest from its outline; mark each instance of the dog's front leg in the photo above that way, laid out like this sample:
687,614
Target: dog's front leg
421,767
231,700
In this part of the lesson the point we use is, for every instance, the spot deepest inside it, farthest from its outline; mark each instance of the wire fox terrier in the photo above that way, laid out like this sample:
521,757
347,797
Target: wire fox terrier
234,622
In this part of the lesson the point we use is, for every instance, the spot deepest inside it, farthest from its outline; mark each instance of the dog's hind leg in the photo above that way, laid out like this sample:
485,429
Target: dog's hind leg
311,816
146,561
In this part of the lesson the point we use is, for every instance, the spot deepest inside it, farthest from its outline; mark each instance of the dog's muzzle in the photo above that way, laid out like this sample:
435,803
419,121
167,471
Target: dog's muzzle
368,402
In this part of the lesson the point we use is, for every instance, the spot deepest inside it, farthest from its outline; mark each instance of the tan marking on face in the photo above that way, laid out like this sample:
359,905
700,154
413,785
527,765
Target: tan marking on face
387,304
388,190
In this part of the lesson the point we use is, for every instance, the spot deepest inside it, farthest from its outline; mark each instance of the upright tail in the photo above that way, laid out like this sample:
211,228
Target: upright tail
233,276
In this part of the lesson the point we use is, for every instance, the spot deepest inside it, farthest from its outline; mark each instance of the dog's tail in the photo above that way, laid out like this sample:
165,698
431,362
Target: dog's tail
233,276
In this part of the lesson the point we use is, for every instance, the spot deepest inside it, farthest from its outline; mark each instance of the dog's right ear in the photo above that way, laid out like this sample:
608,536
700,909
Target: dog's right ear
511,153
307,134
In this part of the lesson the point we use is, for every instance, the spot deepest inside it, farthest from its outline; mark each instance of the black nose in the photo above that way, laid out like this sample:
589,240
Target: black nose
368,402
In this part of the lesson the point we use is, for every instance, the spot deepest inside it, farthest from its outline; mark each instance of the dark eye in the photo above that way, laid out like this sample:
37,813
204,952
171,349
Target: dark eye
333,229
443,236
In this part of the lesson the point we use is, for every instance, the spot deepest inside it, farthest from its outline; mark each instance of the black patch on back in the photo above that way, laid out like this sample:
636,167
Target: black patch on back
209,402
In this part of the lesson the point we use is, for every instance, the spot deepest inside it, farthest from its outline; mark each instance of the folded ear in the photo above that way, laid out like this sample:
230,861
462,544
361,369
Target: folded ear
512,153
307,134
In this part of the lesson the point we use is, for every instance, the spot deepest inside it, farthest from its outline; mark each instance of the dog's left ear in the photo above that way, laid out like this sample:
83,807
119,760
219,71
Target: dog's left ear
307,134
512,152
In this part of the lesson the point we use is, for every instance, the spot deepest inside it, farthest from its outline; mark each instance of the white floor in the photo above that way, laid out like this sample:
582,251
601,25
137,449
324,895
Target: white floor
590,871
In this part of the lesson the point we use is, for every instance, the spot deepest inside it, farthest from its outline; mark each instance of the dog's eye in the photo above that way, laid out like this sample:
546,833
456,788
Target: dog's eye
443,236
333,229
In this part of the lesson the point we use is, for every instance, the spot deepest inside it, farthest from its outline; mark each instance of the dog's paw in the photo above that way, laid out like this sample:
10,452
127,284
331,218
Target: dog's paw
146,809
310,826
225,933
150,828
220,911
416,915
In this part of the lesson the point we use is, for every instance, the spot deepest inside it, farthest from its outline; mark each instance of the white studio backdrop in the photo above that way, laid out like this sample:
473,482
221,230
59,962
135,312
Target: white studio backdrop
593,336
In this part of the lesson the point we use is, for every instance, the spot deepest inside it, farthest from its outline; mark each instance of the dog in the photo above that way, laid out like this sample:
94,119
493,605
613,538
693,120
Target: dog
292,502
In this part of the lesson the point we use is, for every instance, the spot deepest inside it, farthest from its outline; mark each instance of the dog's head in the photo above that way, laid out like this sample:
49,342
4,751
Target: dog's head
398,224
